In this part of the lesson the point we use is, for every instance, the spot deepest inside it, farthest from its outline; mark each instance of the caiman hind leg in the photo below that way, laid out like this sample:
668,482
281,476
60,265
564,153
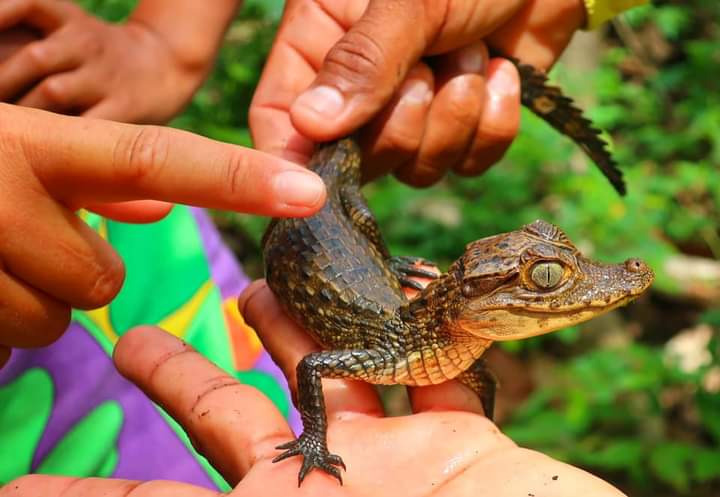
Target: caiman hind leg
483,382
312,443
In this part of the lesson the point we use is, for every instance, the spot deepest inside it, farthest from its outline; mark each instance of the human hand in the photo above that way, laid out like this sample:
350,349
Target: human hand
456,111
79,64
444,448
52,165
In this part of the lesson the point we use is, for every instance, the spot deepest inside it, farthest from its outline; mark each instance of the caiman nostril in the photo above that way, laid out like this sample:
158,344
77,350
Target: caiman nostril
635,266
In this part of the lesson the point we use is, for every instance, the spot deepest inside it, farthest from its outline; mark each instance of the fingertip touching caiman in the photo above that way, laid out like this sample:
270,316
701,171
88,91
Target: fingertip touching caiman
334,276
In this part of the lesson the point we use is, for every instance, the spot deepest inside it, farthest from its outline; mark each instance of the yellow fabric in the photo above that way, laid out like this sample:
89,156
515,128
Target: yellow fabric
599,11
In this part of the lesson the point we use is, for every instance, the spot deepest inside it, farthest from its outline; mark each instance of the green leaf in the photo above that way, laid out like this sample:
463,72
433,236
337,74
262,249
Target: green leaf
671,463
709,406
615,454
707,465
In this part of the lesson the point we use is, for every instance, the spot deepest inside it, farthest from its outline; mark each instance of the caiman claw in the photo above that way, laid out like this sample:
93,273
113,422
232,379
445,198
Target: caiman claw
405,267
315,455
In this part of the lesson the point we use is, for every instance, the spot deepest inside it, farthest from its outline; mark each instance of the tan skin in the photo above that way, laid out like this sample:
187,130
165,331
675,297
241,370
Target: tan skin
446,447
460,112
80,55
234,425
50,260
144,70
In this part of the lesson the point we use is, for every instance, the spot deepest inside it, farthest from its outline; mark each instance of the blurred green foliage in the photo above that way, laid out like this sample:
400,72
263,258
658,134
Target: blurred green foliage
638,401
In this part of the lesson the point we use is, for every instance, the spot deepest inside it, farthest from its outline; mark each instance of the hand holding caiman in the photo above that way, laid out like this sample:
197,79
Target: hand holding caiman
333,274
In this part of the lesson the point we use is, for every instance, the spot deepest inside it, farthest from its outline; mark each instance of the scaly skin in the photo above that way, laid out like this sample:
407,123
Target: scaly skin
334,275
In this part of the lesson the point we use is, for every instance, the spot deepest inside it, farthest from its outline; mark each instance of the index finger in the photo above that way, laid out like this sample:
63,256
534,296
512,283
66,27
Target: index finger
83,161
231,424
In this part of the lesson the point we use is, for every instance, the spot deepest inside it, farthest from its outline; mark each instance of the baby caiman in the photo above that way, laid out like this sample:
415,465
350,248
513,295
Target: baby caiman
333,274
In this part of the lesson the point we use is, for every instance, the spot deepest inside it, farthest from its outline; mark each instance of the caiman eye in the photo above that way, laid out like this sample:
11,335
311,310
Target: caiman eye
546,275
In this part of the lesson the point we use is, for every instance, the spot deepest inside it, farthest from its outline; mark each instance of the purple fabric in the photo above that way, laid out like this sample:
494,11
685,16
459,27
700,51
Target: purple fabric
229,277
224,269
83,377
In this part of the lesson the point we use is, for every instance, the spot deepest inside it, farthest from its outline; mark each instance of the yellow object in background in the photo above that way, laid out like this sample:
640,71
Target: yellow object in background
599,11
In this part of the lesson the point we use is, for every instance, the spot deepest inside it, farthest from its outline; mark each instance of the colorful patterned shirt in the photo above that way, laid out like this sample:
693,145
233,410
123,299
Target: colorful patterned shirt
64,409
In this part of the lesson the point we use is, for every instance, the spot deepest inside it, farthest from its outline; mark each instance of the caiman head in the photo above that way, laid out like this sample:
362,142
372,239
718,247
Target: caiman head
533,281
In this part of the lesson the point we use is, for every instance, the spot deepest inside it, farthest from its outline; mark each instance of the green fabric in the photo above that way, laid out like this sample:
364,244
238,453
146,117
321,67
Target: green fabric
92,439
212,345
268,386
146,297
22,420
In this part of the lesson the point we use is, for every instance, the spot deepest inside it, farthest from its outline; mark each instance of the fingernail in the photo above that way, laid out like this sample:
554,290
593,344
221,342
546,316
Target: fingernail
472,59
325,101
298,188
503,82
416,92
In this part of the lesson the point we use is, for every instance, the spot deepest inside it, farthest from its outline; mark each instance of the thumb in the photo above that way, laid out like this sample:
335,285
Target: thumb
362,71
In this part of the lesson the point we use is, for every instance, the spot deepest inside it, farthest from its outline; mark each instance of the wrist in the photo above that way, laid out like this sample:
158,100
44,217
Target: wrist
189,64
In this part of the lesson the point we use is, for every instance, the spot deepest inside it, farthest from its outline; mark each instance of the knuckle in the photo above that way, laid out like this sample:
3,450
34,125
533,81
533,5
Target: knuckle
421,175
38,54
235,171
53,90
357,60
463,103
492,135
140,153
35,322
210,396
256,115
401,139
106,281
54,326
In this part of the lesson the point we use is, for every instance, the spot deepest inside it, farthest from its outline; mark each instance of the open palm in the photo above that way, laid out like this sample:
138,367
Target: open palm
445,448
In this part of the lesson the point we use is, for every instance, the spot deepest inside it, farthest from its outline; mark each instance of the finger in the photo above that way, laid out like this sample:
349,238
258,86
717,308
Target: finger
46,15
29,317
61,486
394,137
112,109
43,254
299,51
448,396
13,39
231,424
95,161
499,122
287,344
368,64
453,116
537,35
68,91
5,353
137,211
60,52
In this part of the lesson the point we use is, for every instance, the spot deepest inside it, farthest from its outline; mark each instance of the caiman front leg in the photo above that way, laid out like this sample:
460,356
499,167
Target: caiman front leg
404,267
482,381
312,443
